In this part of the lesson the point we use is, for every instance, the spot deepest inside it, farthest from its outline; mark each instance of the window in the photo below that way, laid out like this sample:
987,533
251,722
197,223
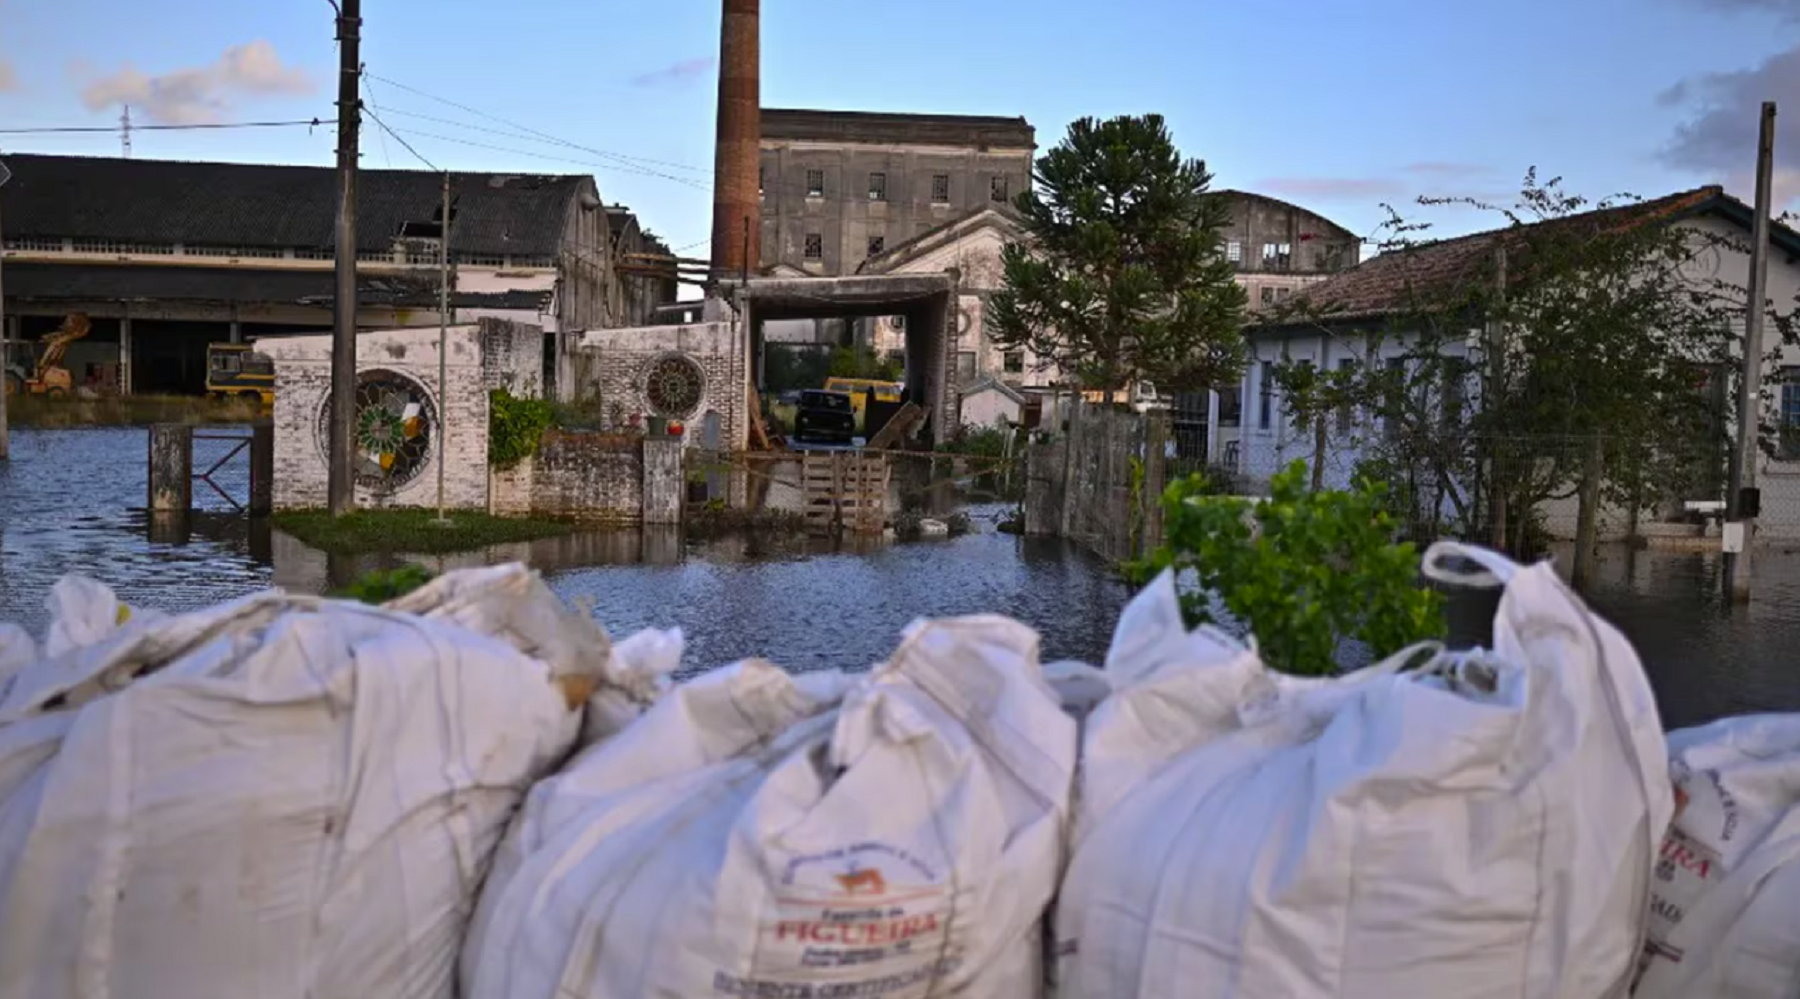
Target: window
1396,387
1455,376
1281,294
1231,408
1013,362
815,183
1346,417
815,246
997,188
898,323
1267,296
877,244
1234,252
940,188
965,367
878,187
1275,256
762,178
1789,437
1265,397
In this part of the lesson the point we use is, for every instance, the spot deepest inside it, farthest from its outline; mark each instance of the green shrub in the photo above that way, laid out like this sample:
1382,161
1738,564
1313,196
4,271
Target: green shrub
379,587
515,427
1302,571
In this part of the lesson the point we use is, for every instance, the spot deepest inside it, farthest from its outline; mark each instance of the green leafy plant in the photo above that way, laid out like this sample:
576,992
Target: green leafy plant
515,427
379,586
1302,570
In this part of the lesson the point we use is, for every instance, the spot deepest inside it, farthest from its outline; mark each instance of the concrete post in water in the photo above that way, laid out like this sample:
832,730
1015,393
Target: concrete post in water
262,469
1742,500
171,468
664,484
1582,572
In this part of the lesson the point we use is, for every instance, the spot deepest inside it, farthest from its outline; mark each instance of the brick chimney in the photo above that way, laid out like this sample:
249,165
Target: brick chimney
736,201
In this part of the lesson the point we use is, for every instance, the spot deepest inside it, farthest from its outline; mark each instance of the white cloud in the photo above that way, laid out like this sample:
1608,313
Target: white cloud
199,95
1724,115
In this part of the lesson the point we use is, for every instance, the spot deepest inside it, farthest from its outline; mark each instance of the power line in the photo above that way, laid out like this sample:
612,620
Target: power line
114,130
529,153
540,135
382,135
376,118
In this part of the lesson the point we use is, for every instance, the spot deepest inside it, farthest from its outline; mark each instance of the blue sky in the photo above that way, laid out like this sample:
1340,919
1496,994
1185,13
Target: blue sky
1336,104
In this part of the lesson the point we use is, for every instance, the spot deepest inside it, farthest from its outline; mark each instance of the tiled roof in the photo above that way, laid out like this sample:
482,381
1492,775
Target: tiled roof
1386,284
90,282
135,201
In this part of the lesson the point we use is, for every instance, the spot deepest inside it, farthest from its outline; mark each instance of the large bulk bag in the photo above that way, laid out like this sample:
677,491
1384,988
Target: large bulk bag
1482,826
757,834
279,797
1725,920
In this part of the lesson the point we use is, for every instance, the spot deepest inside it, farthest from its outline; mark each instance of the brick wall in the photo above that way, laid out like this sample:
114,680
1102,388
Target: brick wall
615,365
303,383
594,477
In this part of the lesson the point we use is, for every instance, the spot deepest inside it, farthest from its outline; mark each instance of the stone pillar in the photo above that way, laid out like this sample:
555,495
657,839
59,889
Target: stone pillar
125,357
171,468
664,483
262,468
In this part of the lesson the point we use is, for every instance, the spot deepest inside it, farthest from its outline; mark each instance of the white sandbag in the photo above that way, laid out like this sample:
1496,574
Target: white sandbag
1481,828
84,611
1725,920
750,835
282,797
17,651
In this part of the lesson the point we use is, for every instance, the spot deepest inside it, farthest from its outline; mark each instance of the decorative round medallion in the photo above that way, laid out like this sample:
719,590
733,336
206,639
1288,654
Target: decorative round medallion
391,434
674,386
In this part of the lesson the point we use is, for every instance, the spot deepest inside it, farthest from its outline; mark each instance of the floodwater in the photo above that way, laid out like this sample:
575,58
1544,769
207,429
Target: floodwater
71,501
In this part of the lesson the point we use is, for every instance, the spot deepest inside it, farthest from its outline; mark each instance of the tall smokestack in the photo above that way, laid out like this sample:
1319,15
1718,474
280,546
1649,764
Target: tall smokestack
735,197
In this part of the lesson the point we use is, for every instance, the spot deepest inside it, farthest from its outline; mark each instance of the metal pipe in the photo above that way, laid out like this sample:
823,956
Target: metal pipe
341,476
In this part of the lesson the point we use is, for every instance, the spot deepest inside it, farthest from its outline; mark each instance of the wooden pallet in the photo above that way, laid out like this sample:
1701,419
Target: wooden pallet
845,490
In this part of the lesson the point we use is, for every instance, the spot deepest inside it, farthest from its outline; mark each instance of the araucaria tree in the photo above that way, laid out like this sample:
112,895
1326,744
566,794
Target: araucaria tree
1121,278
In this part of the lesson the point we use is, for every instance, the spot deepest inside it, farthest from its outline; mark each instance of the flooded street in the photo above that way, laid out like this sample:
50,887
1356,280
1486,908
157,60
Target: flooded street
71,500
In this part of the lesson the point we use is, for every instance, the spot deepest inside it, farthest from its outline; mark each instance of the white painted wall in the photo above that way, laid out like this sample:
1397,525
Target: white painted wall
988,407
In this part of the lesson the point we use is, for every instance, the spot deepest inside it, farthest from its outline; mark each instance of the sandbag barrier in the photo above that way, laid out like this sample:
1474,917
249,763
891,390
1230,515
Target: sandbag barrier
474,792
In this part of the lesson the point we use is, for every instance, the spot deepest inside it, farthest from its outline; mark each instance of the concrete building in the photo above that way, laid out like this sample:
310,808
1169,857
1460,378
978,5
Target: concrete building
839,187
1376,296
166,257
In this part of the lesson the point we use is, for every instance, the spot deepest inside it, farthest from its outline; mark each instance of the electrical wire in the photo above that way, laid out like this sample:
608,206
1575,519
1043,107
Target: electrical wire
376,118
215,126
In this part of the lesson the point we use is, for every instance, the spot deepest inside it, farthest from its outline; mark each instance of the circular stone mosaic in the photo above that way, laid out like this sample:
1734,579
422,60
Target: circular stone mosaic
391,436
674,386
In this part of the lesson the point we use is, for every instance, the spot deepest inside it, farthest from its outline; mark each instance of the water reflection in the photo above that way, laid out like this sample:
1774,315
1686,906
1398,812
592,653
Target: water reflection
71,501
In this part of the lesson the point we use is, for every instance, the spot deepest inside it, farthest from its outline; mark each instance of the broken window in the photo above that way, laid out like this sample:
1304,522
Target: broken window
877,244
940,188
815,246
878,187
815,183
1013,362
1275,256
997,188
1268,296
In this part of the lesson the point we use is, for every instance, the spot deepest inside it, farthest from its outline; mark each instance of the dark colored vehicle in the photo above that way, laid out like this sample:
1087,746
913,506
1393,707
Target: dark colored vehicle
825,417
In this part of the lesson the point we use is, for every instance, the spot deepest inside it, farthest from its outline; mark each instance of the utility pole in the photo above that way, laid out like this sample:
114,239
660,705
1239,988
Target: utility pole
443,424
1744,501
5,346
1496,386
341,480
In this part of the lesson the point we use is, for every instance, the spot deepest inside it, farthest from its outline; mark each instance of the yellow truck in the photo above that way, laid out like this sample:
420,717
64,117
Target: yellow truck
858,388
233,370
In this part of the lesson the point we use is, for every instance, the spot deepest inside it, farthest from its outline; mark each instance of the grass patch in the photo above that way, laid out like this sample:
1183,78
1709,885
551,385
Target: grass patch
411,531
128,411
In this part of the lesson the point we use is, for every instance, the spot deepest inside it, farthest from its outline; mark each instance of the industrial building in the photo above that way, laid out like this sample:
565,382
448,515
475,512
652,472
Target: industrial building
166,257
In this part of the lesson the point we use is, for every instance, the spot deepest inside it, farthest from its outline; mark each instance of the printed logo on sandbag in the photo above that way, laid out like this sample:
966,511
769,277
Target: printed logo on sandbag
868,919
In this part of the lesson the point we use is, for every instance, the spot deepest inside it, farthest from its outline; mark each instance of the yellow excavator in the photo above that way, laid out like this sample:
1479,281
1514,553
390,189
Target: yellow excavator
50,377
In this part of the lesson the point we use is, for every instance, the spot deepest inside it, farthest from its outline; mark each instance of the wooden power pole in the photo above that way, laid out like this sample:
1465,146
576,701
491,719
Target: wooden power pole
341,477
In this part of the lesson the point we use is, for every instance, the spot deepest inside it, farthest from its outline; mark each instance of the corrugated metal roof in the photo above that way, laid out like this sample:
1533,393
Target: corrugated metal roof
265,206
